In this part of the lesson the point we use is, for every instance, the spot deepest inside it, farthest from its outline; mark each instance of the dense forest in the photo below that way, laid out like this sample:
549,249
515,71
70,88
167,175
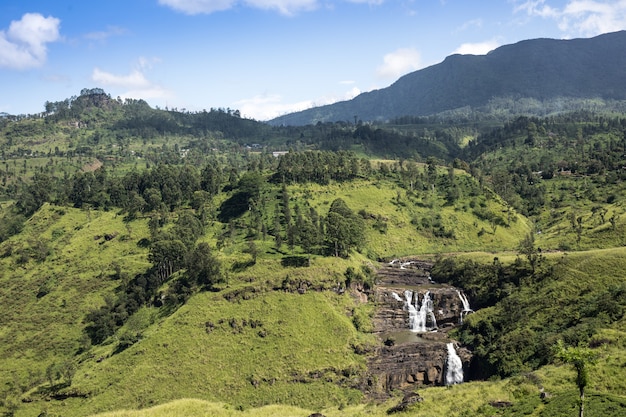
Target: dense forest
210,203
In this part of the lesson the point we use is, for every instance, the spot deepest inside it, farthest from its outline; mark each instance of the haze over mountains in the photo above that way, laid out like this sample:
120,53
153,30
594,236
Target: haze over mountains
540,69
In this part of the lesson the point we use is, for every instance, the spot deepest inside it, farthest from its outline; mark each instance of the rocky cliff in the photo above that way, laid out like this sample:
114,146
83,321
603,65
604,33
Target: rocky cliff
404,359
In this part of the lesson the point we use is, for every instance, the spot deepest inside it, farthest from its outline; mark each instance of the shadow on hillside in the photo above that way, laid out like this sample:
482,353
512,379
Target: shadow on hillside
240,266
295,261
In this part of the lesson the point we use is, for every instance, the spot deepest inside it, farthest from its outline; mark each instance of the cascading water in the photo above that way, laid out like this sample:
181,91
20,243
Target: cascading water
466,306
454,367
408,305
419,318
425,312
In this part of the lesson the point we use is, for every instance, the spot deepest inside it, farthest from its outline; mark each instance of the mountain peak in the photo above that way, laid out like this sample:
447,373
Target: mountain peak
542,69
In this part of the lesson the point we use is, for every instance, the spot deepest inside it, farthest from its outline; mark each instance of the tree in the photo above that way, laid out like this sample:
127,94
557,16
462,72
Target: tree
203,267
309,237
167,256
252,249
52,373
527,248
581,358
188,228
344,229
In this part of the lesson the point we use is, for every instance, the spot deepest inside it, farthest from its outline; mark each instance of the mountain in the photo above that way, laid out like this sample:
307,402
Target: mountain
541,69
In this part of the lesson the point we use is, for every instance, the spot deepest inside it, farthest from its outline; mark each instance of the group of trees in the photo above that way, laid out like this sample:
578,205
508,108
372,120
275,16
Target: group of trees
321,167
175,256
185,192
520,159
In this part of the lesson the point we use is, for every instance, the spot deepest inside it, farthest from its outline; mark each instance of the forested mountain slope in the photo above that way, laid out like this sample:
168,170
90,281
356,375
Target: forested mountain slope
550,71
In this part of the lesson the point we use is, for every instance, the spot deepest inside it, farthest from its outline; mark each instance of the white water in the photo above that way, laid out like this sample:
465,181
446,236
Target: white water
419,318
403,265
466,306
454,367
408,305
396,297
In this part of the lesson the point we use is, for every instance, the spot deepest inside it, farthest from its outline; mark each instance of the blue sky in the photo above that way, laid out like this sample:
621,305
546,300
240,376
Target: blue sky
263,57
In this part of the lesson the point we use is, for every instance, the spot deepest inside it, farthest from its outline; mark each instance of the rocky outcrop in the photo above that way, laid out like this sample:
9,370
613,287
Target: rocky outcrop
405,272
447,306
406,403
405,360
408,365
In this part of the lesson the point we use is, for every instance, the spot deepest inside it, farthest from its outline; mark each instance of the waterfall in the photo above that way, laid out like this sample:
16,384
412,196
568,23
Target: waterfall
418,319
396,297
466,306
408,305
454,367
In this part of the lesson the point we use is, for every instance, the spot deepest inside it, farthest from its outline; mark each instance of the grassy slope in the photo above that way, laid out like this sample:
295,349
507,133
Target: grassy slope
293,337
307,337
403,238
37,331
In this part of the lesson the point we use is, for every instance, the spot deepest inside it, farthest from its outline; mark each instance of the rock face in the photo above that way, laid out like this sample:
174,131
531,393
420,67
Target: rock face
406,360
447,306
408,365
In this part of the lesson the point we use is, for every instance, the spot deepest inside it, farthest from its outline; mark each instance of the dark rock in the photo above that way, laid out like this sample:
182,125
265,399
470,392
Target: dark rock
408,400
544,395
405,360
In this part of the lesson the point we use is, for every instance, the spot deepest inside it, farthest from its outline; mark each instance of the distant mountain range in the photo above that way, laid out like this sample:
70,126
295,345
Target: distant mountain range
540,69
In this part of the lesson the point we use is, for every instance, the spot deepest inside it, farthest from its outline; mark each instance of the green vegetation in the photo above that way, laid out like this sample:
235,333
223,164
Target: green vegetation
168,262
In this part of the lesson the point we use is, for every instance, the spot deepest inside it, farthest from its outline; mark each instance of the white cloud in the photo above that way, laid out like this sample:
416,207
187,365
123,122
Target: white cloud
479,48
134,84
198,6
105,34
470,24
270,106
24,45
266,107
535,8
372,2
135,79
399,62
580,17
285,7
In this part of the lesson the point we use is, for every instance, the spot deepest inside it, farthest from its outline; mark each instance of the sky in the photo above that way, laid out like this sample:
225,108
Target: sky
264,58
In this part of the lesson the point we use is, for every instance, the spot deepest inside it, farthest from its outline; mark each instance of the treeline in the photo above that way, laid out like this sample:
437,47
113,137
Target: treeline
548,133
519,159
321,167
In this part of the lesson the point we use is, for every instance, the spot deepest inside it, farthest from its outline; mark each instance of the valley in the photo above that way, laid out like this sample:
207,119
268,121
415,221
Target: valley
155,263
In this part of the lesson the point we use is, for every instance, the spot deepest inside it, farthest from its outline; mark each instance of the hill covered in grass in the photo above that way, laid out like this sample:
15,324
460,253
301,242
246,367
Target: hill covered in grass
174,272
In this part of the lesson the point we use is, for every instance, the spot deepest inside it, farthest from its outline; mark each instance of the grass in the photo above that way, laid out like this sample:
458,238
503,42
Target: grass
256,345
51,279
277,348
404,234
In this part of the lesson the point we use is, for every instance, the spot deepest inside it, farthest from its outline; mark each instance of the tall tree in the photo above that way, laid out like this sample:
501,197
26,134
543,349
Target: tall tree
344,229
581,358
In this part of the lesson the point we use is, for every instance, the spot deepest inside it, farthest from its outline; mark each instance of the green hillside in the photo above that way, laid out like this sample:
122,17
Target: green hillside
169,264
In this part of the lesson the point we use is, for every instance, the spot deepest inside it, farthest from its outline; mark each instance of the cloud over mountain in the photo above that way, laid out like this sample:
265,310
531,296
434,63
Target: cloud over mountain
399,62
